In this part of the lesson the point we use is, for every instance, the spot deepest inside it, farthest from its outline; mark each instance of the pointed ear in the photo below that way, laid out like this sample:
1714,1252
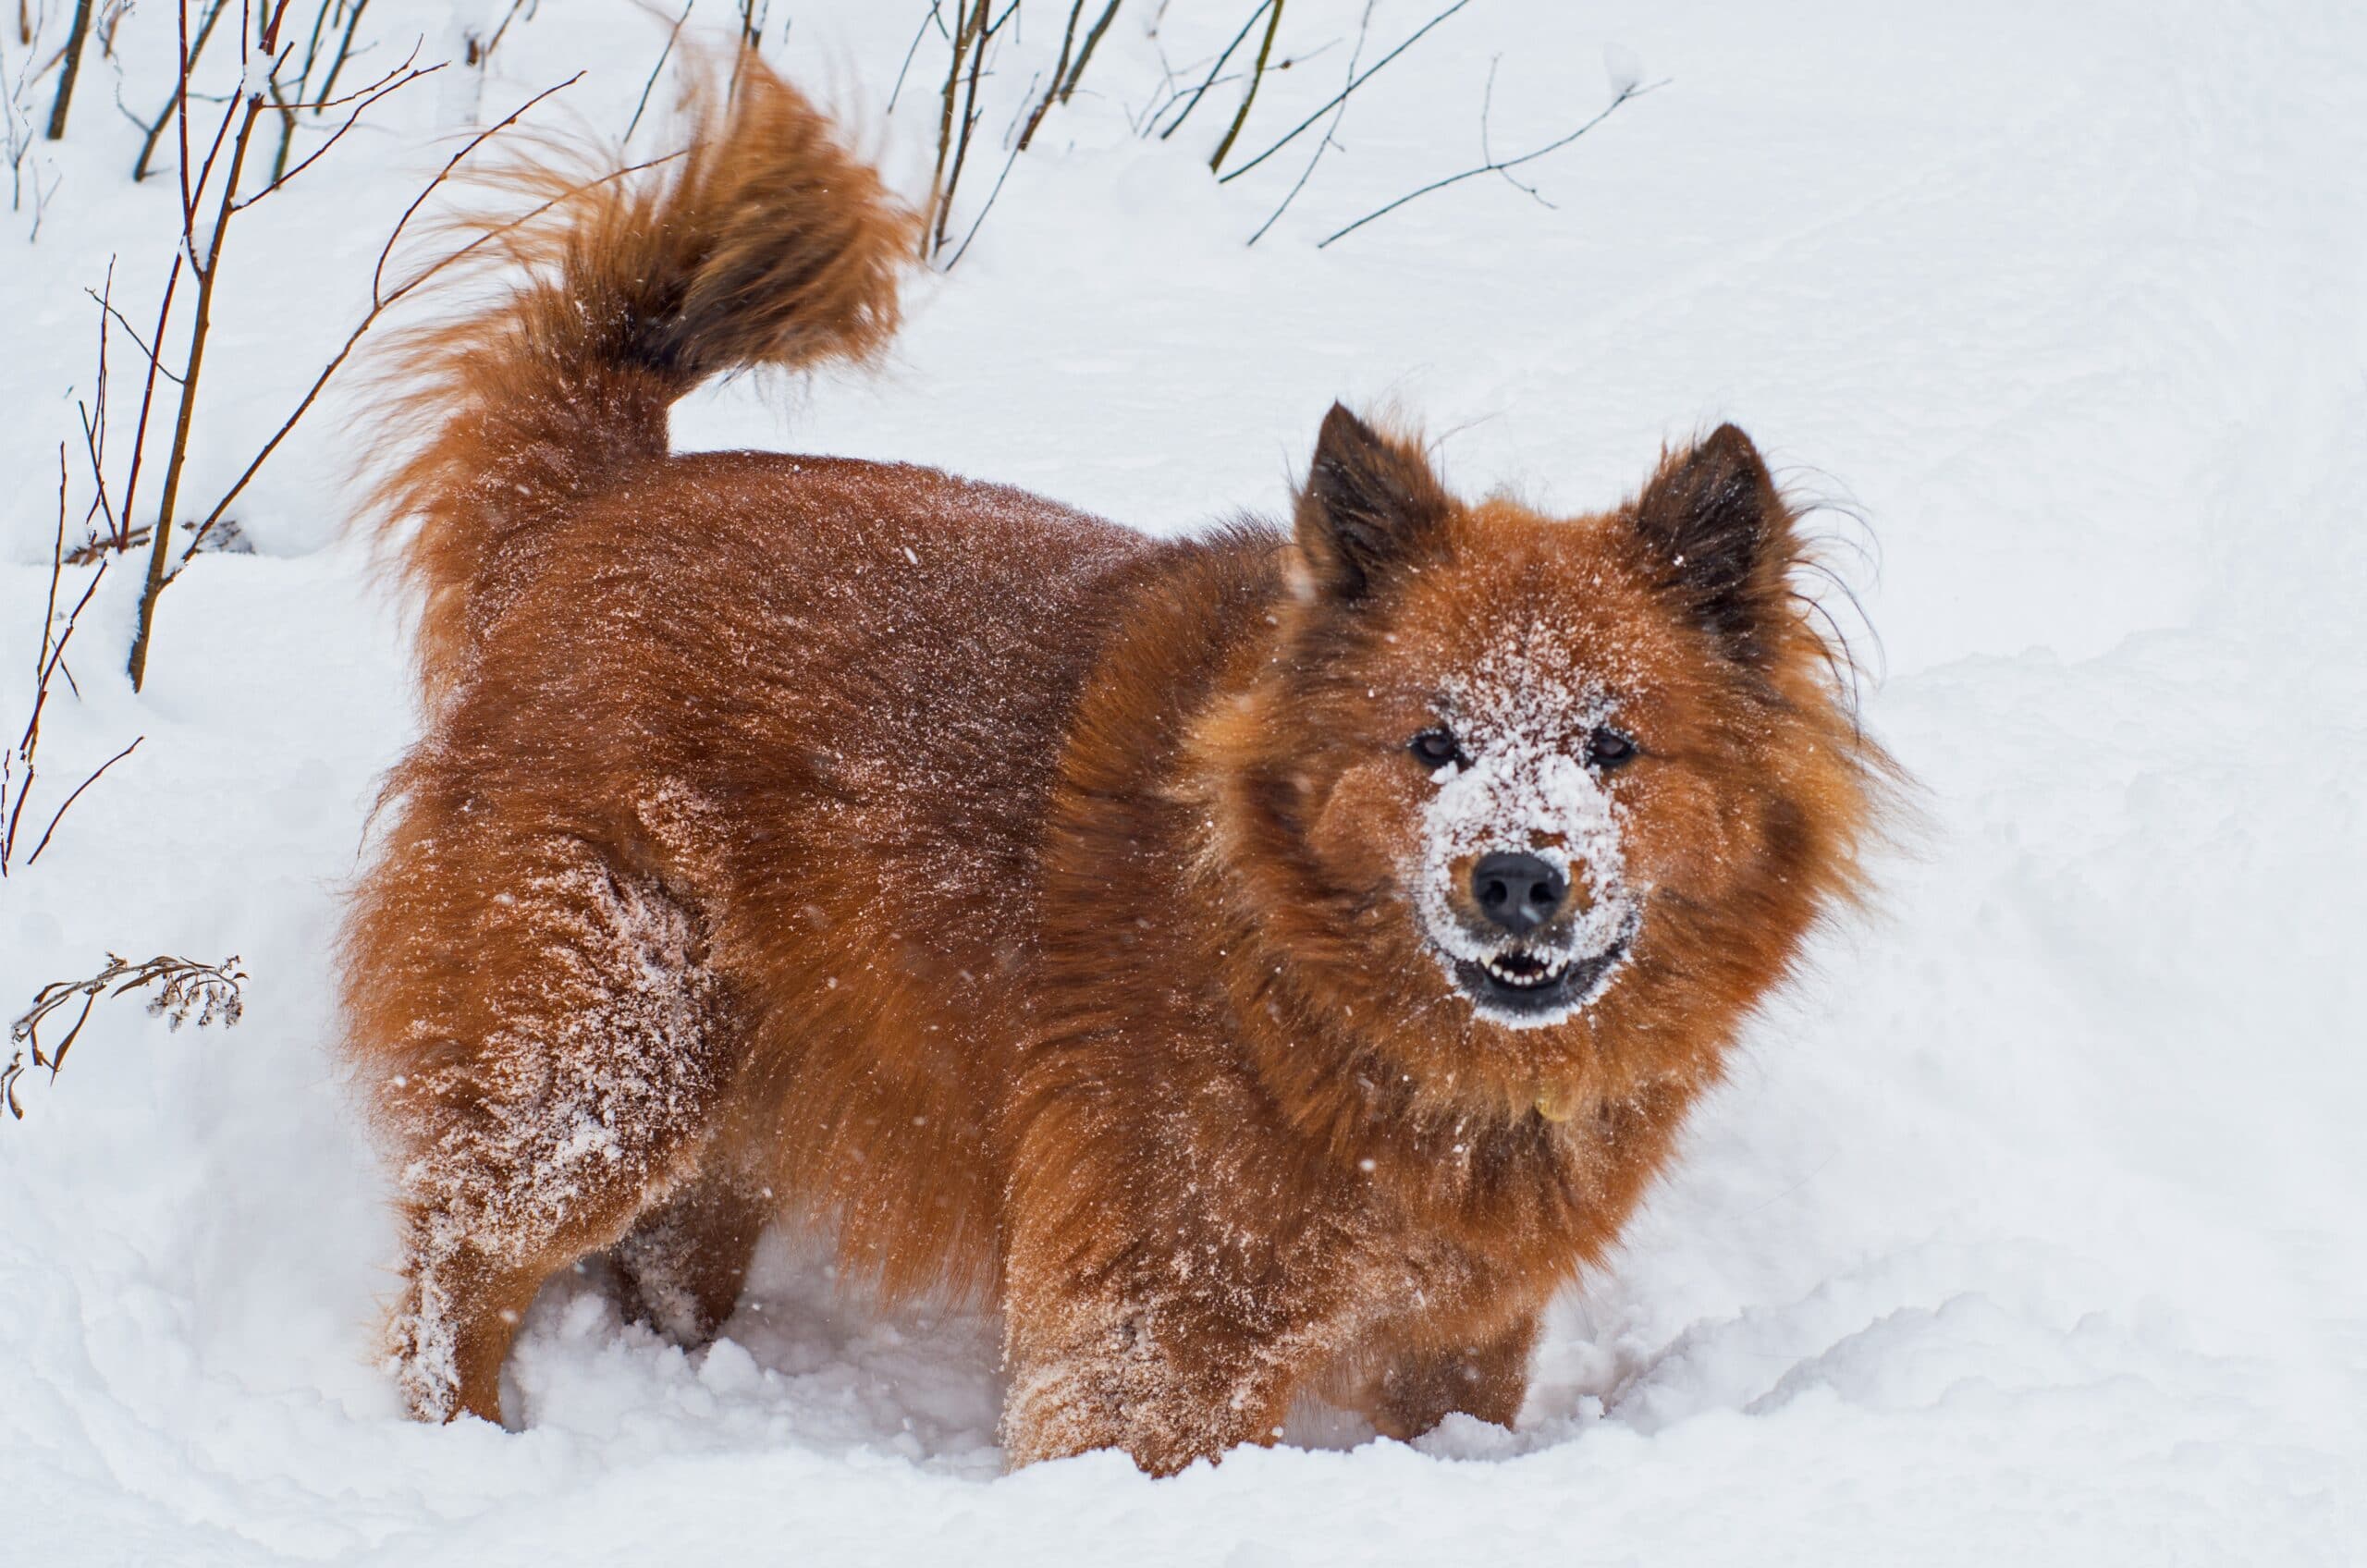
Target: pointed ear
1720,539
1370,503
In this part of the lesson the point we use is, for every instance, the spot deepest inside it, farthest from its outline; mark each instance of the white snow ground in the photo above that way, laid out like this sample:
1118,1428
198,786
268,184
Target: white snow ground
2029,1227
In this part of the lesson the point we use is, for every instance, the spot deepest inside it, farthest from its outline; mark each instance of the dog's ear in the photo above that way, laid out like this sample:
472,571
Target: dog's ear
1719,538
1370,504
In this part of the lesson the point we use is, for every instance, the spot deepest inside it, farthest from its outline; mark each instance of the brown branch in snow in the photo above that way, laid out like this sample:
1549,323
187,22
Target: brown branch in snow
1265,53
72,68
243,110
344,48
1043,107
970,19
1085,56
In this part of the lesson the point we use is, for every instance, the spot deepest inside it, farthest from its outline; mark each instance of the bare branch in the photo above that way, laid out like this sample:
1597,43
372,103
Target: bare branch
1496,166
378,273
383,299
54,817
396,81
663,55
1354,82
1325,141
935,15
1265,53
1215,70
344,47
1060,74
1084,56
72,63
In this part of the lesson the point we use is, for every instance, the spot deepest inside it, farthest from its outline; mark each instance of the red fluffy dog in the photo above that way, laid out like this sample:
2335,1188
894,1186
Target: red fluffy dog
1268,961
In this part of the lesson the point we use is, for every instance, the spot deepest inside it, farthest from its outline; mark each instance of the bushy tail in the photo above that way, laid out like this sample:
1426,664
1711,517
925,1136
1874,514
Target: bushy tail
765,243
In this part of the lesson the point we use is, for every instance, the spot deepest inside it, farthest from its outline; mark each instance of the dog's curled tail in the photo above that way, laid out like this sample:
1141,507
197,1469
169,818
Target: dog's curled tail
764,242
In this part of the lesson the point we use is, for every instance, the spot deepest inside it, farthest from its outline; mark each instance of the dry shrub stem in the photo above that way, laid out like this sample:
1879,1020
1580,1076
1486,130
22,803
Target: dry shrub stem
70,69
1265,53
1060,75
1085,56
186,991
20,767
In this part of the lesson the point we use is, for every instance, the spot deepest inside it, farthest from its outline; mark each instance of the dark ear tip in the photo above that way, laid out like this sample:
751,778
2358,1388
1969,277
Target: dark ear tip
1340,427
1729,444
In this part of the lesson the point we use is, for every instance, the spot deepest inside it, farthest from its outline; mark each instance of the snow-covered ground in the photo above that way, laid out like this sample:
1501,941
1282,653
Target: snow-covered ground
2029,1227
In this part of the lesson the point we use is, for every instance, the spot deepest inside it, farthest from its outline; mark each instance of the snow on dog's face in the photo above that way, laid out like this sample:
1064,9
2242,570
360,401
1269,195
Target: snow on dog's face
1516,790
1519,876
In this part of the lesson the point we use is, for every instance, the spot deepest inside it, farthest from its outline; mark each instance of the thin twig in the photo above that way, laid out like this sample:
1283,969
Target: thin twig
54,816
382,299
963,249
918,33
1496,166
1354,82
164,115
247,112
402,76
663,55
1215,70
344,47
970,21
1325,143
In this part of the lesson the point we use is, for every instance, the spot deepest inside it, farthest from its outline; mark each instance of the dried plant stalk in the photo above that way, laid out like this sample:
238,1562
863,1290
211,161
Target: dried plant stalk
1256,74
69,69
184,991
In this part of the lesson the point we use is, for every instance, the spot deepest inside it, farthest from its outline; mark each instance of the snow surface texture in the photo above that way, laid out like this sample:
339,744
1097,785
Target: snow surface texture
2029,1228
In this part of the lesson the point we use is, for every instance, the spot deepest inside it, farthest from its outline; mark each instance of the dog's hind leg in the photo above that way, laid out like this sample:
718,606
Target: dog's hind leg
546,1033
1422,1385
684,1261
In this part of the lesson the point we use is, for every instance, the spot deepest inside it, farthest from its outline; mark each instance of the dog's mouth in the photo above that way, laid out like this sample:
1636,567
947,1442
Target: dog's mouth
1538,986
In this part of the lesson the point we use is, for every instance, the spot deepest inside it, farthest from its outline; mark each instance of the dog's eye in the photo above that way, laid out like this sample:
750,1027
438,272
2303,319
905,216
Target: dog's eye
1608,749
1434,749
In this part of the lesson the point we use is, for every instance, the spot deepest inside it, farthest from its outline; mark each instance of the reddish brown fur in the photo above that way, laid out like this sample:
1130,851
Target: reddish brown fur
1014,895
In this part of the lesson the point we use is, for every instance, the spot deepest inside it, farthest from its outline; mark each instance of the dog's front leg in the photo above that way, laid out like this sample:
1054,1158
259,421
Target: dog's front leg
1155,1305
1169,1374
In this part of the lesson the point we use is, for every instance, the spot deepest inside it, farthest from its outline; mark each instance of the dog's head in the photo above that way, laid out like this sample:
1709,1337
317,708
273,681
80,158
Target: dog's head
1514,780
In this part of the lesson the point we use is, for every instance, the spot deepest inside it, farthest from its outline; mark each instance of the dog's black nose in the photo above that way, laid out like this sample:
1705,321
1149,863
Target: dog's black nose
1518,892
